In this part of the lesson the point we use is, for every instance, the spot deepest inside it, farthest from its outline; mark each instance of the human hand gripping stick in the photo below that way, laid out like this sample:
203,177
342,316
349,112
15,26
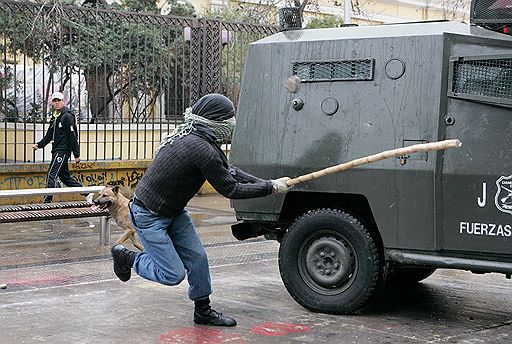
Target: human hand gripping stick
280,186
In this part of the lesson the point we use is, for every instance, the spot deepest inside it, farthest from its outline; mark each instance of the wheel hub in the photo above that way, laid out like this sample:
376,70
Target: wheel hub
330,262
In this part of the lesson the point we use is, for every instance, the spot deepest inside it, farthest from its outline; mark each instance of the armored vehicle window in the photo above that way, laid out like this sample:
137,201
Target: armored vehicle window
482,78
312,71
496,10
494,15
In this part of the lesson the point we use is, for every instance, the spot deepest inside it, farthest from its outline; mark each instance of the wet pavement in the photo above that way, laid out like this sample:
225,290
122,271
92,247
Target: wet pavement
60,288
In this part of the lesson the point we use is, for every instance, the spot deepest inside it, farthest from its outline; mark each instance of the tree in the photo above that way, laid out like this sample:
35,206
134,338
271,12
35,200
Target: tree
324,22
8,109
302,5
142,80
455,9
235,46
178,9
262,13
129,58
148,6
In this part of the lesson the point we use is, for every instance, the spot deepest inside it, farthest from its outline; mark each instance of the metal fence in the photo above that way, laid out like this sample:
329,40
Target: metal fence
127,76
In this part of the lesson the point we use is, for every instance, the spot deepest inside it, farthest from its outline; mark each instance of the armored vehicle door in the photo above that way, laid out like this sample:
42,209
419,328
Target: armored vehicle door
476,180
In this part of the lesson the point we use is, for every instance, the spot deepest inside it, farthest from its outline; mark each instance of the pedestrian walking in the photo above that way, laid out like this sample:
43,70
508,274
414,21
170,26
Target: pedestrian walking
62,133
184,161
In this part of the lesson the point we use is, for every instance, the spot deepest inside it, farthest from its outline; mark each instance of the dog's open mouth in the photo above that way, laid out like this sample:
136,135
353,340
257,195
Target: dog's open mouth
101,206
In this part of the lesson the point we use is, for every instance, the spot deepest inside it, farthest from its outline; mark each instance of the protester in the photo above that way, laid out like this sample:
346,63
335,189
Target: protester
184,161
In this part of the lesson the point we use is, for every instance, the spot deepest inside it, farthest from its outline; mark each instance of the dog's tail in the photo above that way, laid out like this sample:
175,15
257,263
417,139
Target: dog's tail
127,191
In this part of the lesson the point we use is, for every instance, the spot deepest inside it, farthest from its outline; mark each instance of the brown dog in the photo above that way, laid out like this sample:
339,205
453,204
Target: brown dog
110,198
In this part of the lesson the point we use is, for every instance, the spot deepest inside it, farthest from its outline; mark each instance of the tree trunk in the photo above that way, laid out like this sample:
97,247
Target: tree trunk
99,96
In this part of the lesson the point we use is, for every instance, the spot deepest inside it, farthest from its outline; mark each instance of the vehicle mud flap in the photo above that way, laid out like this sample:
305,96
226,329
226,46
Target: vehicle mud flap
247,230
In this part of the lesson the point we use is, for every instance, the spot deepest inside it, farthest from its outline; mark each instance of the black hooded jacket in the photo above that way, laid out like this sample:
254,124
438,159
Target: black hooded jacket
63,133
181,168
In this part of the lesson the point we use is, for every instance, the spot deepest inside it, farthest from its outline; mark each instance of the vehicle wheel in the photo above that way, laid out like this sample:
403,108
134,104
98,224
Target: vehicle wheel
329,262
406,275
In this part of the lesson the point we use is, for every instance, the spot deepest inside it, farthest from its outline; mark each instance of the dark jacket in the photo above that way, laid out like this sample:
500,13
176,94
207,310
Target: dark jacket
181,168
63,133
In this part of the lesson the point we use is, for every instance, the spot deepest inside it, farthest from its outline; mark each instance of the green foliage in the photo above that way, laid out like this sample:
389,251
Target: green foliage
148,6
324,22
116,56
17,31
121,58
8,104
179,9
6,75
35,114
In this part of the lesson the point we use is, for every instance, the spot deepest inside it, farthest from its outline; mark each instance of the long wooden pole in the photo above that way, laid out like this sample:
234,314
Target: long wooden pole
422,147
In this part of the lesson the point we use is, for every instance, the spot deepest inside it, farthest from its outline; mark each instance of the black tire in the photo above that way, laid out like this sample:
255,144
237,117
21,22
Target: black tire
329,262
407,275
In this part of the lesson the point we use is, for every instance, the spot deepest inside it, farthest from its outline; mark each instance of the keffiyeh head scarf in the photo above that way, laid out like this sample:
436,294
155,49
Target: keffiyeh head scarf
211,117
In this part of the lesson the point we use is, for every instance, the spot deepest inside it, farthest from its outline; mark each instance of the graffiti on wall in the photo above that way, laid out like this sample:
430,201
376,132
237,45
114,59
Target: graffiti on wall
21,182
130,179
88,178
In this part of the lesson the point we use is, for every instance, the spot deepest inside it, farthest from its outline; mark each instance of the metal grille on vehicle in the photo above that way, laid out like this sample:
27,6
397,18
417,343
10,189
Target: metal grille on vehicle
334,70
485,79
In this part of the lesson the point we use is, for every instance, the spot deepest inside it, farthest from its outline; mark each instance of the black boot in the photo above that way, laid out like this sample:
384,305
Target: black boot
205,315
123,262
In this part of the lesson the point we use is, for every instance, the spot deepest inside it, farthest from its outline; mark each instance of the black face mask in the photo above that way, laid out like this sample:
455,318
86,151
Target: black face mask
215,107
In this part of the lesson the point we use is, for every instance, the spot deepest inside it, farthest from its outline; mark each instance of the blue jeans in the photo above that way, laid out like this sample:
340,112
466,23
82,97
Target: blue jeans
172,249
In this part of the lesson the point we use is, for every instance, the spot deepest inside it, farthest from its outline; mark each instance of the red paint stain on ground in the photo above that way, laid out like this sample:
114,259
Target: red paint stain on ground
277,329
47,280
200,335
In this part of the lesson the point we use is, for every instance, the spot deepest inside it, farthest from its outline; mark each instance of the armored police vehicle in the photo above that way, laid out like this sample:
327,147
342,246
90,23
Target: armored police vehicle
316,98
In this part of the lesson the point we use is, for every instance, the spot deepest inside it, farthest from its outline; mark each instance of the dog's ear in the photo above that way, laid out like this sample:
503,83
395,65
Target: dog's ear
115,189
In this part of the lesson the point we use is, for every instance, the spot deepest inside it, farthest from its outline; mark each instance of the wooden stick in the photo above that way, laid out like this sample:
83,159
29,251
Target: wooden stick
423,147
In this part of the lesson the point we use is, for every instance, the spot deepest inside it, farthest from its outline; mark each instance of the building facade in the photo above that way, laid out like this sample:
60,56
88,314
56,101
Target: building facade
363,12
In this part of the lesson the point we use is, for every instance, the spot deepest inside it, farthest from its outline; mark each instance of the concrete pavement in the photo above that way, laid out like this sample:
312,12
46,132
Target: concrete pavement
61,289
